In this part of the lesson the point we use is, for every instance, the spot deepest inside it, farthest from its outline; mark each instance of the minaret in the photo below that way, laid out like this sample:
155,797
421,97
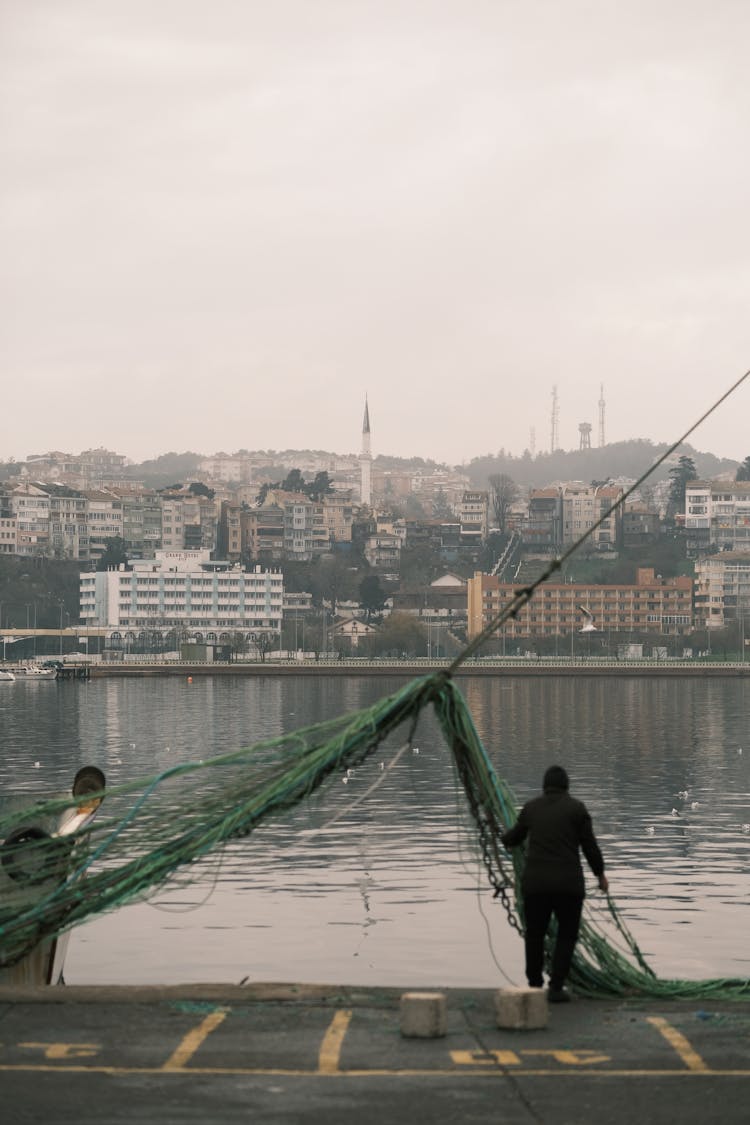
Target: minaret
365,462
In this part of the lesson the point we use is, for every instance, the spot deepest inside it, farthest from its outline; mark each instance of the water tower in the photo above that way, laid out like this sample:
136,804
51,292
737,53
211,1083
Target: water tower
584,430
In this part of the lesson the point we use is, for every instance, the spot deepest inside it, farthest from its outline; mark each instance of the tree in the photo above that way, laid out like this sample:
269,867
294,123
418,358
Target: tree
371,595
400,633
293,481
503,494
319,487
198,488
115,554
682,472
743,472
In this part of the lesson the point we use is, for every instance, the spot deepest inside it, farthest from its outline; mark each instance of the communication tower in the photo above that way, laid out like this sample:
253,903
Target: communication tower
602,404
555,419
532,441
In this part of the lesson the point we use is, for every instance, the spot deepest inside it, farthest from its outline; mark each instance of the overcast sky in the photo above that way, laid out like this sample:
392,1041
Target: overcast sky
222,222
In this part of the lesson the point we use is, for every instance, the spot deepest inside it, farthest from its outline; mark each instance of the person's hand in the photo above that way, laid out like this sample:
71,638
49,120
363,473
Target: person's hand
603,883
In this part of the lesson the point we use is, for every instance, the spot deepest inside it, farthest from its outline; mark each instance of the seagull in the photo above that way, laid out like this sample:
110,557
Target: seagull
746,827
37,765
694,805
649,831
683,794
589,627
675,812
415,750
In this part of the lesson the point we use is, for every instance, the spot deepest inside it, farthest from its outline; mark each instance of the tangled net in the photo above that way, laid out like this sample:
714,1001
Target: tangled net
50,884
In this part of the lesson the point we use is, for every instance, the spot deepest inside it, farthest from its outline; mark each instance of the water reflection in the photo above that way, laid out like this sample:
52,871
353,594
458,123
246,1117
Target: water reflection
392,891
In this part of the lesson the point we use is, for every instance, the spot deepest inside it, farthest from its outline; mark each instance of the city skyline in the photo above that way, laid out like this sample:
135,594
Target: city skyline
221,226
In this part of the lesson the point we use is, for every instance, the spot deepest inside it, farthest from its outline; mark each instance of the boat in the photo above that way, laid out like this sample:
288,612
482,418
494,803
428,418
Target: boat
39,672
6,677
29,873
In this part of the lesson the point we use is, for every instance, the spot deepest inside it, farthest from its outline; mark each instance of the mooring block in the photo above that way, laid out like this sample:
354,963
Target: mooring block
423,1015
522,1009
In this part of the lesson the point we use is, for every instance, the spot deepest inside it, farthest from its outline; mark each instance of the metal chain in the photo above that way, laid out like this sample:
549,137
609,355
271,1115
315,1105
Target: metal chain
488,842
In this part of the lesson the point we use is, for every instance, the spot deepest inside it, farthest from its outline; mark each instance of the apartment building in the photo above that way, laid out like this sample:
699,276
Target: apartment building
236,469
651,605
722,590
29,504
104,511
473,515
583,506
182,591
262,533
717,516
8,534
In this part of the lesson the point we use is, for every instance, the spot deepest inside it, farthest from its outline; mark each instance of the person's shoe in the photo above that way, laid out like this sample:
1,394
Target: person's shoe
536,984
558,996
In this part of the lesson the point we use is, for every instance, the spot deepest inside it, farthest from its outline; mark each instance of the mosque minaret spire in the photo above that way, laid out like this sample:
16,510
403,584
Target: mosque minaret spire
365,461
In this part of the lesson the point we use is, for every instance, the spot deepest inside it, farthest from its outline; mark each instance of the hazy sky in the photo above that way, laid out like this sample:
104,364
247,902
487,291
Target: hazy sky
222,222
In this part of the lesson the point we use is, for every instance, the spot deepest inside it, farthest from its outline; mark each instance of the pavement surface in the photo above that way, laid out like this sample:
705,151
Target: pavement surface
299,1053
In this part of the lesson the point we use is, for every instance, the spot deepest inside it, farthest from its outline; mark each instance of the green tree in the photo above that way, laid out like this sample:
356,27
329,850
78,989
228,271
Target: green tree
371,595
503,493
115,554
318,488
401,633
198,488
743,472
293,481
682,472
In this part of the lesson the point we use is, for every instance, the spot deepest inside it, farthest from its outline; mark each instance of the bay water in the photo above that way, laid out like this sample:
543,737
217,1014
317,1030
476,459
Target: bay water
390,889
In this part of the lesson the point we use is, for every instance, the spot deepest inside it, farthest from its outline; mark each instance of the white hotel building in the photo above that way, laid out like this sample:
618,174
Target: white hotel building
183,592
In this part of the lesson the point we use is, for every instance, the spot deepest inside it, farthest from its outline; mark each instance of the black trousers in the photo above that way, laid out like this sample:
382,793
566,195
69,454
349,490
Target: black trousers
538,910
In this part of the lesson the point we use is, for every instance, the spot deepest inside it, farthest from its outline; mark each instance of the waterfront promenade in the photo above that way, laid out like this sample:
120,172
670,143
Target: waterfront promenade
490,667
333,1054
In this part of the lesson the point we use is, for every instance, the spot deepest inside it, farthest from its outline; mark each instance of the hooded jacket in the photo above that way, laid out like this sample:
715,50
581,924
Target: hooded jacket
558,827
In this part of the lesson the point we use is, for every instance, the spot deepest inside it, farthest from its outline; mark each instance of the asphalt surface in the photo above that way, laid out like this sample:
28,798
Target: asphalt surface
293,1053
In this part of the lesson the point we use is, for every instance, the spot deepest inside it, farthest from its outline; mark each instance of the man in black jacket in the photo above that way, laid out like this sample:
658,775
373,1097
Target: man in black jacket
558,827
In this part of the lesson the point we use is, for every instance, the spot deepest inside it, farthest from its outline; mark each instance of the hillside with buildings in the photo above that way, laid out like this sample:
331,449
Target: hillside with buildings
446,546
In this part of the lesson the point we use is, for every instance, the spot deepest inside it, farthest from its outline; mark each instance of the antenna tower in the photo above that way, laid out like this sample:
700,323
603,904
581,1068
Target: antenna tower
532,441
602,404
555,418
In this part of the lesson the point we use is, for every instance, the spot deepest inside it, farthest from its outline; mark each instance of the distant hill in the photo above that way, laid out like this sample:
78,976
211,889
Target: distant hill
621,459
170,468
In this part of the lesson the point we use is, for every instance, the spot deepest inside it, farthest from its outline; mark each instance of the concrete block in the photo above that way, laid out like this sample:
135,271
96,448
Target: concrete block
423,1015
522,1009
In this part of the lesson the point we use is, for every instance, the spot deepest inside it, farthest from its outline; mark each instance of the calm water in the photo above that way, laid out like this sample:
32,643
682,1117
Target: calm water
393,893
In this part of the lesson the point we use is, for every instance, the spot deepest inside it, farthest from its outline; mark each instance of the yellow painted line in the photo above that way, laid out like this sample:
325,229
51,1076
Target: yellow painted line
194,1039
330,1048
463,1072
680,1044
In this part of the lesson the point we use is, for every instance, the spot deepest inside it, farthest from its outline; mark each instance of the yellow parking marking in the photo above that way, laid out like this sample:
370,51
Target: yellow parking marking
572,1058
330,1048
485,1058
681,1045
194,1039
64,1050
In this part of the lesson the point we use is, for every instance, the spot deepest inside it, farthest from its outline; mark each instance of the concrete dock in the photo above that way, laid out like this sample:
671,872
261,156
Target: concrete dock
304,1053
